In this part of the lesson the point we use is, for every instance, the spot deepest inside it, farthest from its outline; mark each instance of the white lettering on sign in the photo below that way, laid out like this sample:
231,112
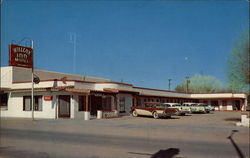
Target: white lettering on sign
21,50
20,57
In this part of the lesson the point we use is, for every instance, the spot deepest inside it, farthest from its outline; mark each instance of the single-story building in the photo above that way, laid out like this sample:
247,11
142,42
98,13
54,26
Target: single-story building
60,95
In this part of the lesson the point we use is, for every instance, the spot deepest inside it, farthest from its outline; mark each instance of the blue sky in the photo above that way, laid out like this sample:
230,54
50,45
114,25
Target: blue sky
140,42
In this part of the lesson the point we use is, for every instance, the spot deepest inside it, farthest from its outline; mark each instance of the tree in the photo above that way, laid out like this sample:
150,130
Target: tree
238,68
200,84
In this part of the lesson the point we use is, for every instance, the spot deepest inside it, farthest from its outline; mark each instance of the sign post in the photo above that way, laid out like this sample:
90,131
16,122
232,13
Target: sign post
32,82
21,56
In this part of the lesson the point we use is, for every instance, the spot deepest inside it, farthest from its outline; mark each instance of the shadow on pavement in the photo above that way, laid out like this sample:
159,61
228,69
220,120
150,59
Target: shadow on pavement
168,153
236,119
161,118
234,144
186,115
9,152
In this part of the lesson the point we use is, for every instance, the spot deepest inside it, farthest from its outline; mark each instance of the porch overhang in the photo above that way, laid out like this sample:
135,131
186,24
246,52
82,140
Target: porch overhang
60,88
76,90
114,90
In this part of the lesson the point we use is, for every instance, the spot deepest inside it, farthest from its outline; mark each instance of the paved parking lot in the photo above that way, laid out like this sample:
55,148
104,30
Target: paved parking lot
192,136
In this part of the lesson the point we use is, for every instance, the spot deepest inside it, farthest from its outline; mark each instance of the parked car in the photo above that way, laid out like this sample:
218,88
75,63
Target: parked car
195,107
157,111
211,108
207,108
182,110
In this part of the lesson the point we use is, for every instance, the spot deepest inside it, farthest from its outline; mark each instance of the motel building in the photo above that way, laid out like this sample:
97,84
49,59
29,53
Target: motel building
60,95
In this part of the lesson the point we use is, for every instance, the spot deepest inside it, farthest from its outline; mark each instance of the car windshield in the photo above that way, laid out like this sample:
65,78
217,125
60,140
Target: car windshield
176,105
203,105
163,106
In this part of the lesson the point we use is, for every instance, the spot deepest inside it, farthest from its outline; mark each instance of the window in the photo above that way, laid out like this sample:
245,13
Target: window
37,103
3,99
106,103
82,103
122,104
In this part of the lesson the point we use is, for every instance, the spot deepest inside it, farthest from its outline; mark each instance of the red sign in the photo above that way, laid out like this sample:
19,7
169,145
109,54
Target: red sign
20,56
47,98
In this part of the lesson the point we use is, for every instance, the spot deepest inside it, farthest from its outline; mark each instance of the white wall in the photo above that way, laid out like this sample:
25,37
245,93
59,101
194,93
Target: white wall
42,84
6,77
161,93
77,114
219,95
101,86
128,102
15,106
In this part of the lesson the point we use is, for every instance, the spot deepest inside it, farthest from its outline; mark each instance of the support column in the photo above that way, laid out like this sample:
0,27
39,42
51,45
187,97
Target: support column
73,105
55,103
115,104
220,104
87,111
242,106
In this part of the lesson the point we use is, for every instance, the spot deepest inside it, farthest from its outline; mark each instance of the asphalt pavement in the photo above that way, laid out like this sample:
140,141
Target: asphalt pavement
193,136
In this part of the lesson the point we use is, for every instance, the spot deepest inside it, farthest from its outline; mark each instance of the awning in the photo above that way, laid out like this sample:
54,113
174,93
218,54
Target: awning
59,88
111,90
75,90
114,90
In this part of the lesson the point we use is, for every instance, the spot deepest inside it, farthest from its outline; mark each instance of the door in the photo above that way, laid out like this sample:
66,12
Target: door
64,106
215,104
237,105
96,104
122,104
224,104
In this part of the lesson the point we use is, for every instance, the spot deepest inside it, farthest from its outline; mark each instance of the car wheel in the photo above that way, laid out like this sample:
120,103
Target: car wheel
155,115
134,113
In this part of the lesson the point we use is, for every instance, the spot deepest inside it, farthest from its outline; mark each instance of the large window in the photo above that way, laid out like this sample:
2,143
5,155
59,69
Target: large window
82,103
3,99
122,104
106,103
37,103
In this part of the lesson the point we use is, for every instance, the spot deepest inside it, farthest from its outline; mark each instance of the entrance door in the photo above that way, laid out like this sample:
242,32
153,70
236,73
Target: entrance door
122,104
215,104
96,104
237,105
64,106
224,104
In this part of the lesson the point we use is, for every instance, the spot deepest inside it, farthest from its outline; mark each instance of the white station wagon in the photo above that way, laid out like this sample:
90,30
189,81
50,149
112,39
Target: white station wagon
182,109
208,108
195,107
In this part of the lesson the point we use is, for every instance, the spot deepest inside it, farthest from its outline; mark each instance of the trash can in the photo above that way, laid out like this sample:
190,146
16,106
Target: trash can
99,114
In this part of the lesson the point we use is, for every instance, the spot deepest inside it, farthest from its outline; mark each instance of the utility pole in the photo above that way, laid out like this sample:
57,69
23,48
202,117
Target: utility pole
169,83
73,41
187,82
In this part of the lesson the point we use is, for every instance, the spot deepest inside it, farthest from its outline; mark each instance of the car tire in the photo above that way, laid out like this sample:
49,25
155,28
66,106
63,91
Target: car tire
155,115
134,113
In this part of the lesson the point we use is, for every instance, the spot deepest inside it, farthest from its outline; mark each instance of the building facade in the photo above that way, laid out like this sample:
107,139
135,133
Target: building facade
60,95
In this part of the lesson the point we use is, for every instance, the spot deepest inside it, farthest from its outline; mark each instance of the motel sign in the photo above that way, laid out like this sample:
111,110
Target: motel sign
20,56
